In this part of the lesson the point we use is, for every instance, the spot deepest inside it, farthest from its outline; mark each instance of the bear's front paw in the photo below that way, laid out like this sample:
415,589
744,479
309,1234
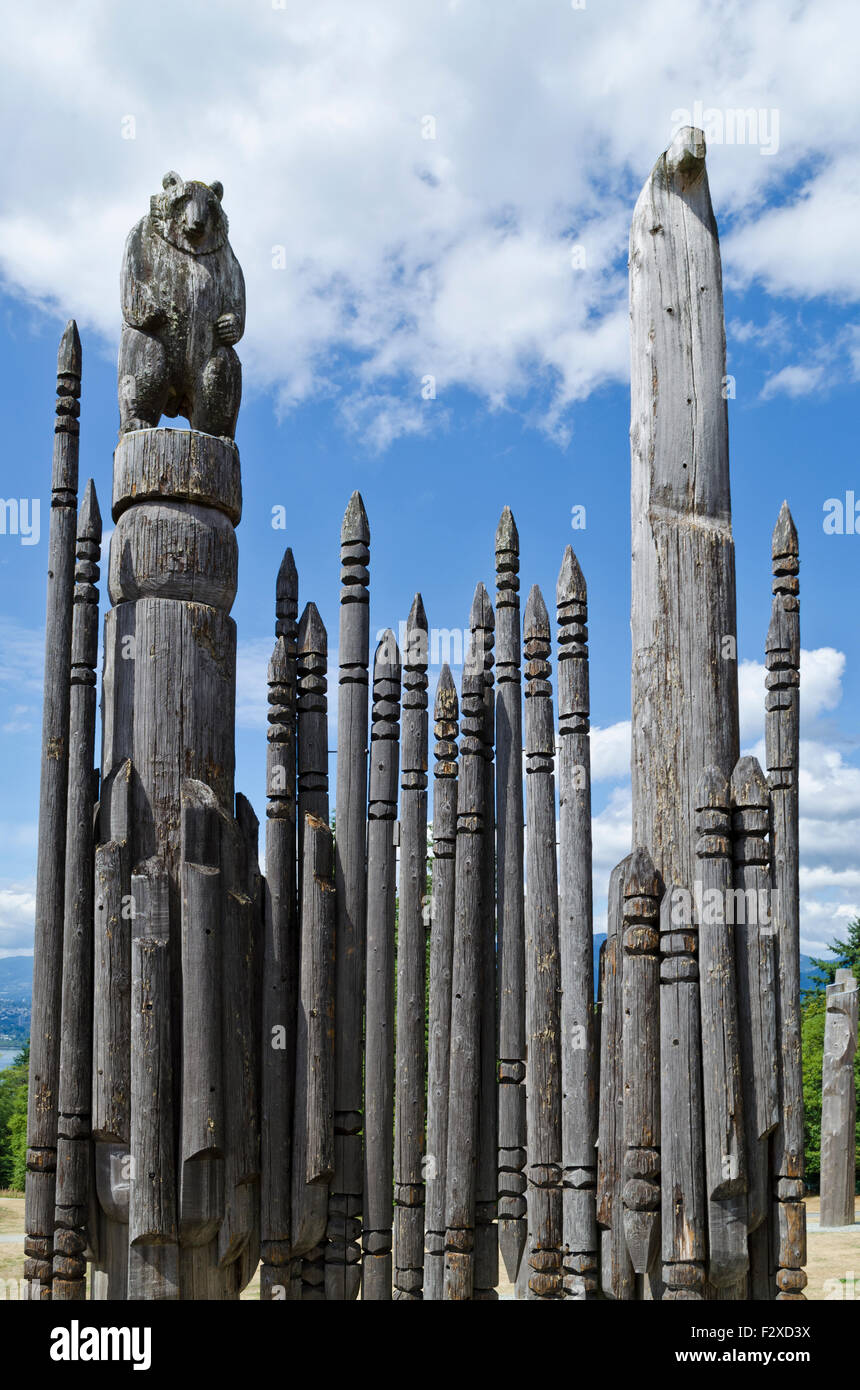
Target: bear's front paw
227,327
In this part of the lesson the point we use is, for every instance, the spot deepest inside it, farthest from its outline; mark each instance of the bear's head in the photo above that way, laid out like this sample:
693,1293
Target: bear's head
189,215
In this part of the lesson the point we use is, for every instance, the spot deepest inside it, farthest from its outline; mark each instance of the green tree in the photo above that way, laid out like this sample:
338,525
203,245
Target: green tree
13,1121
846,956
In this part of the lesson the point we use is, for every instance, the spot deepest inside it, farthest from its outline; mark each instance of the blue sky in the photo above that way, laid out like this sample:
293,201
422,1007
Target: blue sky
376,257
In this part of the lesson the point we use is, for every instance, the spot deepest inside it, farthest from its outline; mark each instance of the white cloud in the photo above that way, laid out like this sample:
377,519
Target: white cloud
407,256
821,672
610,751
793,381
17,917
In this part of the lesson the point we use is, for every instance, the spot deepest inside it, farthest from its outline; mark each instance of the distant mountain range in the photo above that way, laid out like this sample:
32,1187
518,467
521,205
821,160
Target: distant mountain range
807,969
16,990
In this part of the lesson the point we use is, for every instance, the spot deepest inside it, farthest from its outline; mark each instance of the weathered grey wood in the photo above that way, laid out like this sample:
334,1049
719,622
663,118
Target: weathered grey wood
756,977
446,721
466,993
838,1103
312,759
411,966
239,1231
280,949
543,966
111,1038
578,1053
511,899
152,1233
183,307
640,993
74,1128
343,1270
685,714
312,746
379,1042
165,463
722,1091
782,743
486,1272
50,864
313,1124
202,1136
617,1277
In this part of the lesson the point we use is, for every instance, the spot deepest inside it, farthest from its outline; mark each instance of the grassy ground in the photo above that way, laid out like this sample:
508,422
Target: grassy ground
833,1263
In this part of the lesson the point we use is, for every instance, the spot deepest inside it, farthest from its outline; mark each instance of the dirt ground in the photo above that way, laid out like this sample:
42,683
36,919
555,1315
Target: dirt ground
833,1263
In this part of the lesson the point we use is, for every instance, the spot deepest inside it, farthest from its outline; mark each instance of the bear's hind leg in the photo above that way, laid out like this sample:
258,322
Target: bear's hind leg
215,407
142,380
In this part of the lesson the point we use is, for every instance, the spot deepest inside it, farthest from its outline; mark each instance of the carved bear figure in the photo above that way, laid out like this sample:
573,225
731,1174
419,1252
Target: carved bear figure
183,308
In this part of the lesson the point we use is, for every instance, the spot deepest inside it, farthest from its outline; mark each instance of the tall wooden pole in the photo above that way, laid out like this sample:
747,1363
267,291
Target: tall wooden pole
617,1277
466,988
756,979
543,966
74,1137
50,865
511,900
839,1103
153,1255
682,619
313,1115
578,1062
312,756
725,1156
482,638
446,719
280,947
782,741
379,1045
411,966
343,1270
640,995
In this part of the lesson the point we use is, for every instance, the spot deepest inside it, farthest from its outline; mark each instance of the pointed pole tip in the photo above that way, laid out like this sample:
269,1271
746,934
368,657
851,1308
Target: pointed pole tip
571,581
507,535
69,353
355,524
536,620
417,616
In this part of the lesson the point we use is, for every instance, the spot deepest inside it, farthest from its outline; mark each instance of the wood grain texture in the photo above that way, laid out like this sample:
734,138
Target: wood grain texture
543,967
183,308
153,1228
838,1103
343,1268
578,1055
376,1284
486,1272
683,621
466,993
724,1154
446,726
756,978
510,907
74,1129
782,745
640,994
617,1277
313,1125
50,863
411,965
280,948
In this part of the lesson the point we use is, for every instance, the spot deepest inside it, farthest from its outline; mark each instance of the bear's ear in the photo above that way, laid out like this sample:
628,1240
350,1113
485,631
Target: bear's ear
217,189
172,181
